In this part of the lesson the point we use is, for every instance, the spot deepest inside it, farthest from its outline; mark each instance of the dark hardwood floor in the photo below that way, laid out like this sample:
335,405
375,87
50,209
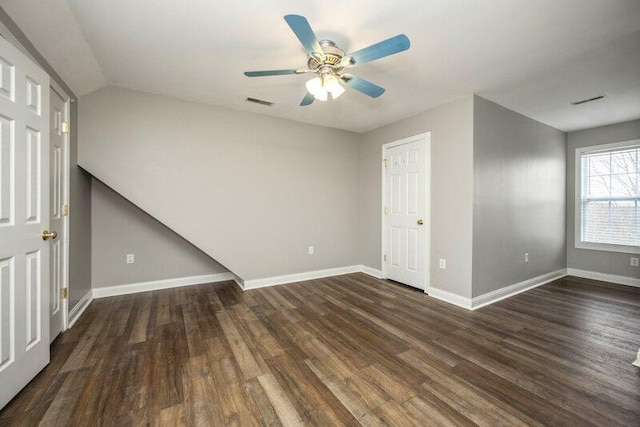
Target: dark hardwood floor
345,350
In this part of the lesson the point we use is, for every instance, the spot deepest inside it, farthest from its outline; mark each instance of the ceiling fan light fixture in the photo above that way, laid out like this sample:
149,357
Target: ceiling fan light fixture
321,87
333,86
317,89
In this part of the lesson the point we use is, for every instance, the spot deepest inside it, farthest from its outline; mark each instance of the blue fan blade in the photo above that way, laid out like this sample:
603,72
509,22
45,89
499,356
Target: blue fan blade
269,73
303,31
307,100
387,47
363,85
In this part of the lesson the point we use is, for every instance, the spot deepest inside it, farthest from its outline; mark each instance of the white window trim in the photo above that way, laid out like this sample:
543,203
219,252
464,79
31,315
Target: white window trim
579,244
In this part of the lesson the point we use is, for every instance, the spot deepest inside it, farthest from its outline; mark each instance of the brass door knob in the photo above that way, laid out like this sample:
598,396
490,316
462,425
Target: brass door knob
420,222
49,234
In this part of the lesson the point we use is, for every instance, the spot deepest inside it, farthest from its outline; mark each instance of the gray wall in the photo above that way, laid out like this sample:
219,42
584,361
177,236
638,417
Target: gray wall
80,183
251,191
585,259
120,228
518,197
451,128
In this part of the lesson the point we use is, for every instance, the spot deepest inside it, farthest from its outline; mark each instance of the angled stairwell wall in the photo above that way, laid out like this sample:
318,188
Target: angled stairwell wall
251,191
119,228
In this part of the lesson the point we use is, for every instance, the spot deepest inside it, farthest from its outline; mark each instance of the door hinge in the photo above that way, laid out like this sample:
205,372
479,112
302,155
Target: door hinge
65,293
385,257
385,210
65,210
65,127
385,162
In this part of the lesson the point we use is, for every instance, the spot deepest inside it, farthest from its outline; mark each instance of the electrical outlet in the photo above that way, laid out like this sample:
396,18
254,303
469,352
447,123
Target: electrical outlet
442,263
310,250
131,258
526,257
634,262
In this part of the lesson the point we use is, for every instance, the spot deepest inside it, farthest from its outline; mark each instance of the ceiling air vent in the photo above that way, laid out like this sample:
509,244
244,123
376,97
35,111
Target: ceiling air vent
259,101
595,98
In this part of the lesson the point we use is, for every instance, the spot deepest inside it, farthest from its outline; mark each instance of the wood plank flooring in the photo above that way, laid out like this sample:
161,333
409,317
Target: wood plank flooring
347,350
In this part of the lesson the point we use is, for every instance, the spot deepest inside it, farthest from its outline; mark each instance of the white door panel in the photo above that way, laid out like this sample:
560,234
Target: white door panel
405,212
24,214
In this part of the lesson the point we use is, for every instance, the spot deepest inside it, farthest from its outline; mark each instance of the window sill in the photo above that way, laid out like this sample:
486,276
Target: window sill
608,247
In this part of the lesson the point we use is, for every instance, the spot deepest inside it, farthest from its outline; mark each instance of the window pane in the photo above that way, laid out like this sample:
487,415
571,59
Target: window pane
596,222
623,227
598,186
599,164
610,182
624,162
624,185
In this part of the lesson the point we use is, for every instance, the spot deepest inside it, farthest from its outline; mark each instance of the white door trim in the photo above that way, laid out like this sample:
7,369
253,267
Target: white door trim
427,228
66,191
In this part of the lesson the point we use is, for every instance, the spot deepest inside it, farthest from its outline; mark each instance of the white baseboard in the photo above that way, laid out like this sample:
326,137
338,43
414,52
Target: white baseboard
621,280
239,281
220,277
497,295
460,301
155,285
370,271
449,297
509,291
299,277
79,308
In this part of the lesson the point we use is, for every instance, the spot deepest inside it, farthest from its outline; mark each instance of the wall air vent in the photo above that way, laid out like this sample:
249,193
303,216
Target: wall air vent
259,101
595,98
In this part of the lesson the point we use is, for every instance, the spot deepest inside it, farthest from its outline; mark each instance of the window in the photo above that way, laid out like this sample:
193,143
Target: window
608,197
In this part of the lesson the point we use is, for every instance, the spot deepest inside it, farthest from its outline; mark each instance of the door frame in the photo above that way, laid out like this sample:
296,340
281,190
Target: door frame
426,137
66,191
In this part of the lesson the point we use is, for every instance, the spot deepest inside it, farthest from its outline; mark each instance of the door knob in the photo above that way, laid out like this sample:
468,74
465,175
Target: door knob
49,234
420,222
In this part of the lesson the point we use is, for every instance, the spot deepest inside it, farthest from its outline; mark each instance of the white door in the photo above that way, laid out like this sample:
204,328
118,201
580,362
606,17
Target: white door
57,113
24,215
406,221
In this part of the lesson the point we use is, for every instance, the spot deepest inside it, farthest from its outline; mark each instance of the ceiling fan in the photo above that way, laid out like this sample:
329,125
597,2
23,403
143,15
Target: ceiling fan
329,62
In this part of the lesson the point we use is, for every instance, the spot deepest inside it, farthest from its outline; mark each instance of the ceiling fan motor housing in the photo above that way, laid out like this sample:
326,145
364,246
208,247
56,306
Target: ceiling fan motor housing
332,57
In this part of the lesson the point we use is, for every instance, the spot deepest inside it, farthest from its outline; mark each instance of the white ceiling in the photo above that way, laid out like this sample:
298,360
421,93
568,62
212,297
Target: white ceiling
534,57
51,26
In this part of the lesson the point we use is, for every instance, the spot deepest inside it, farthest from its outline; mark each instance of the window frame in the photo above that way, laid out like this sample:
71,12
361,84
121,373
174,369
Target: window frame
579,243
